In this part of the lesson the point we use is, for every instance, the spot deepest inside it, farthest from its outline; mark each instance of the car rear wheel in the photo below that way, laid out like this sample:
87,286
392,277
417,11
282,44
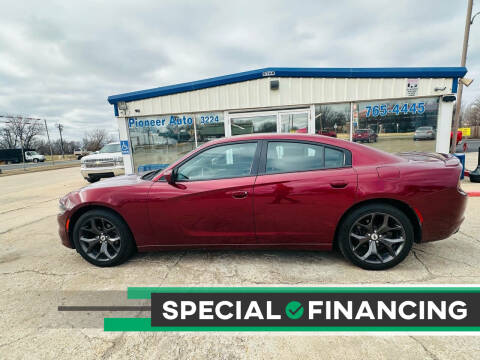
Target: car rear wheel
103,238
35,160
376,236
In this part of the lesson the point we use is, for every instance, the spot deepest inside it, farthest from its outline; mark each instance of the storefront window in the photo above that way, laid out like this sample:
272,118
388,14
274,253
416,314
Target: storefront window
210,126
254,124
160,140
333,120
397,125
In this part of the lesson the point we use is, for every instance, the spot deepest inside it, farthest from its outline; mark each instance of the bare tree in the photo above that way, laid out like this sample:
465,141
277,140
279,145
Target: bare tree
94,140
472,113
18,131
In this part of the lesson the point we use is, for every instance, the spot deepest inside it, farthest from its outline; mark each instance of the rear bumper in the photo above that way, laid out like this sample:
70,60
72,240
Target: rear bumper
443,214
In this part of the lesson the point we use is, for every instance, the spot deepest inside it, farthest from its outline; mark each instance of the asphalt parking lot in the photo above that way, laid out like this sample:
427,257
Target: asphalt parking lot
37,274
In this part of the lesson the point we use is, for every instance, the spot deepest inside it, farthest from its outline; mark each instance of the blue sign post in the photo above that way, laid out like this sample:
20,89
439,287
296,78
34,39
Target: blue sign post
125,147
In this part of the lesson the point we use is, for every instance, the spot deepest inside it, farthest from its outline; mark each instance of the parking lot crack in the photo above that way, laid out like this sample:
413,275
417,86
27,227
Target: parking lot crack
430,354
27,206
38,272
171,267
469,236
28,223
414,251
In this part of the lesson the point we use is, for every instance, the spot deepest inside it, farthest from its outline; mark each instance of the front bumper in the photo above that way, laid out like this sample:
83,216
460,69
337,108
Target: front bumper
62,219
102,171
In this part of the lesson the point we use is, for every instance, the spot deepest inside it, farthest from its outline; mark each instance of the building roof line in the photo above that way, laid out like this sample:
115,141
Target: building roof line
393,72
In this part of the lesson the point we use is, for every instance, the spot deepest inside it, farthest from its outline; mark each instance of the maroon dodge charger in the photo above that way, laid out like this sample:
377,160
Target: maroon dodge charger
275,191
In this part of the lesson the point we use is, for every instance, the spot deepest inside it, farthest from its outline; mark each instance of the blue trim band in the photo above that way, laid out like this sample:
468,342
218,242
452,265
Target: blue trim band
115,109
413,72
454,85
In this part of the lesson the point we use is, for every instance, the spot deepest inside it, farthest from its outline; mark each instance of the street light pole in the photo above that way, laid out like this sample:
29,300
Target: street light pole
468,22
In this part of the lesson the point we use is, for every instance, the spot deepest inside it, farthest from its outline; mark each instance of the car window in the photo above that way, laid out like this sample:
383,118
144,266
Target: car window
291,157
334,158
220,162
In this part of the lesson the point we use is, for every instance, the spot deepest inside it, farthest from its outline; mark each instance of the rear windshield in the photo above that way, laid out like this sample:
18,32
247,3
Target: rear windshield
424,128
363,131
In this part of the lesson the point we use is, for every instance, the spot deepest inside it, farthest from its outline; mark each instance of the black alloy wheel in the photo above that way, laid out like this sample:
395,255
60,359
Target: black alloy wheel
376,236
103,238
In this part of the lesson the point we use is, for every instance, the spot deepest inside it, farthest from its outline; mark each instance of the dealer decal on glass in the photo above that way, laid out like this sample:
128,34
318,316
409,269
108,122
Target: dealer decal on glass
305,309
397,109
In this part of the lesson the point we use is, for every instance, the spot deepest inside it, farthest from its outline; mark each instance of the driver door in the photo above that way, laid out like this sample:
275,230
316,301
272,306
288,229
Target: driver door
211,202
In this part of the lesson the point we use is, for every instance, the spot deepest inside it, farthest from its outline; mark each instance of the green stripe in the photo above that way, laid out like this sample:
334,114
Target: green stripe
145,292
144,324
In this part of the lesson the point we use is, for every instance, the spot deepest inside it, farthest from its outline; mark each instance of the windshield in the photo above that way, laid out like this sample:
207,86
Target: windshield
361,131
110,148
424,128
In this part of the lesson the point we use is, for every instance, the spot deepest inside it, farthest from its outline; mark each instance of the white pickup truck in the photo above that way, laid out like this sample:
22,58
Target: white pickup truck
107,162
33,156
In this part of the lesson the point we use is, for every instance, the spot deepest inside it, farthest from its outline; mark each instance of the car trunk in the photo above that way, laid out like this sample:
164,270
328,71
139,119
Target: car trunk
448,159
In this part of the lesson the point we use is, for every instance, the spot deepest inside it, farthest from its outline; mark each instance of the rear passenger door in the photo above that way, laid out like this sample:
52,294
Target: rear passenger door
302,190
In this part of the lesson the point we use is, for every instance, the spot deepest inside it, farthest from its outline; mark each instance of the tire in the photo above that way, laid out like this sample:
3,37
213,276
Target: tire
92,179
109,225
79,157
35,160
354,243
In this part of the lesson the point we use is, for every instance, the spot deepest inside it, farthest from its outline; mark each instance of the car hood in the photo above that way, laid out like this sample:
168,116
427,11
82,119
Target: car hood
103,156
117,181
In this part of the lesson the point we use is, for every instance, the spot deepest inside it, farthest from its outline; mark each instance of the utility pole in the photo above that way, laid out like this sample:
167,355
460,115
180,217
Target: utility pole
458,107
49,142
60,128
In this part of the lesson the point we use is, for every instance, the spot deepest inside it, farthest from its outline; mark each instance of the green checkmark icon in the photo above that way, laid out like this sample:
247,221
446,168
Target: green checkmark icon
294,310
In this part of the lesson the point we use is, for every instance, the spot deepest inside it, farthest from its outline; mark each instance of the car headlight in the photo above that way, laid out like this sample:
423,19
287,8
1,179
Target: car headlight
119,161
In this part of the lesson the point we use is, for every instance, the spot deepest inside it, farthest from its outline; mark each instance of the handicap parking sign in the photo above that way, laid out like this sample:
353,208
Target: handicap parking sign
125,147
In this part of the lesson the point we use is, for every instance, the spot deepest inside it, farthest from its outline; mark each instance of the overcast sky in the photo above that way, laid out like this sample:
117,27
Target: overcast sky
62,59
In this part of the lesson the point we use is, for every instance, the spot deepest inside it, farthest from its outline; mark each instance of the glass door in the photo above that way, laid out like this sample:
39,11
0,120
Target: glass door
252,123
294,122
284,121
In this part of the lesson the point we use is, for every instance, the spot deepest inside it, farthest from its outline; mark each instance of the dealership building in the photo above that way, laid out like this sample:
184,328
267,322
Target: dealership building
159,125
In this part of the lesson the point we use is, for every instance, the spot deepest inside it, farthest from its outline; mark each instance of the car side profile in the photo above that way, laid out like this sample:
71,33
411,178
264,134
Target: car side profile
271,191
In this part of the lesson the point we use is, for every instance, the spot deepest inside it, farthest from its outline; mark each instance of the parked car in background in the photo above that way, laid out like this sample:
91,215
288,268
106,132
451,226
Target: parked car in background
108,162
424,133
365,135
14,156
326,132
273,191
79,153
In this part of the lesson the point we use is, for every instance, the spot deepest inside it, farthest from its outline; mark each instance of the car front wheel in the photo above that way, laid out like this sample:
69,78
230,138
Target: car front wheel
103,238
376,236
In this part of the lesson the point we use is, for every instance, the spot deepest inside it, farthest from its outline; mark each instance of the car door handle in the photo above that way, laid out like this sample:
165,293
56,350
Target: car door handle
239,194
338,184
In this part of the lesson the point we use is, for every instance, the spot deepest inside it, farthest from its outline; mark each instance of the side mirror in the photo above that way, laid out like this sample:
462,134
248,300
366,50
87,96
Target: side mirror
170,176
